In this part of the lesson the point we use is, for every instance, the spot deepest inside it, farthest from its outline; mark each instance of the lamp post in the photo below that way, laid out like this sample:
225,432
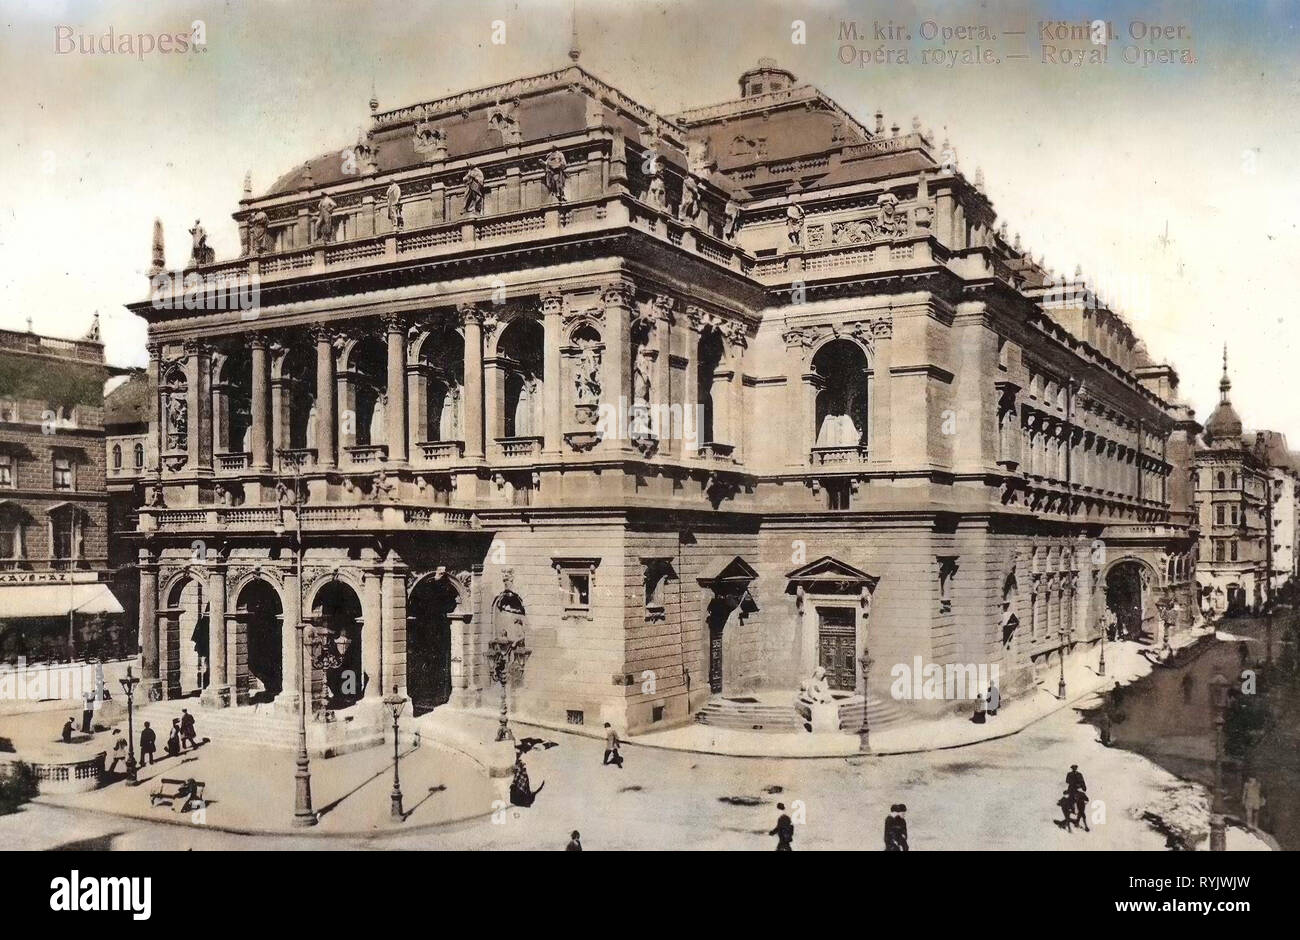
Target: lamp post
1060,685
128,686
303,814
395,703
507,663
864,732
1101,662
1219,701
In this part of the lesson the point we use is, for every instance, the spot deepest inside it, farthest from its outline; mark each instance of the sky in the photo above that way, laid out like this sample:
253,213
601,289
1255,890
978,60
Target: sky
1175,186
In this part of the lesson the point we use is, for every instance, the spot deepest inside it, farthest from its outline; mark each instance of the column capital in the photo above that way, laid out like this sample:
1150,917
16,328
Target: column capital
619,292
322,334
154,349
551,303
258,341
196,347
664,306
394,322
469,313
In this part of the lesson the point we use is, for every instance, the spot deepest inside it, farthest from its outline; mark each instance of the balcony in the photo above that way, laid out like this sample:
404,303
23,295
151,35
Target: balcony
717,452
520,447
442,451
834,456
367,455
228,463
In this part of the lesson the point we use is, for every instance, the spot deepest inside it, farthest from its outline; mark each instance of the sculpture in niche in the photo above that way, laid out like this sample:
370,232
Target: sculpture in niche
393,197
503,120
529,402
587,374
258,233
177,421
473,181
555,166
325,219
892,222
657,193
730,219
689,207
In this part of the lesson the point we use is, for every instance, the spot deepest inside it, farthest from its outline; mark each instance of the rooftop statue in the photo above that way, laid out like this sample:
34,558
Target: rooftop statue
730,219
555,165
473,181
394,199
257,233
325,219
690,204
200,253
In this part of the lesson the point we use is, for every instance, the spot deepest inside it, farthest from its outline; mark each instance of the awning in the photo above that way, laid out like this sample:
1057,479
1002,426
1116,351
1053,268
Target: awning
56,600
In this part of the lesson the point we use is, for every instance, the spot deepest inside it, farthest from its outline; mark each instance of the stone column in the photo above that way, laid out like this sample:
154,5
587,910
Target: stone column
395,407
148,620
291,657
691,401
198,406
880,443
217,692
151,444
471,319
552,308
372,639
616,365
260,405
393,602
324,339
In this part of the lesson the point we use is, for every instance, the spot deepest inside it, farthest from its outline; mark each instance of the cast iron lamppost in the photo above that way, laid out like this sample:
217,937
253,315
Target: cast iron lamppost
1060,685
1219,701
395,703
303,814
864,741
128,686
507,659
1101,663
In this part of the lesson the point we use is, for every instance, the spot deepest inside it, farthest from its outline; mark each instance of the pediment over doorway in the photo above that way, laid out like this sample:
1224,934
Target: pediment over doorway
828,575
724,571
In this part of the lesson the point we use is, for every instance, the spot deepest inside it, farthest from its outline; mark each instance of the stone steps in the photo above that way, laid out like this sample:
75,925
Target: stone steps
262,726
782,719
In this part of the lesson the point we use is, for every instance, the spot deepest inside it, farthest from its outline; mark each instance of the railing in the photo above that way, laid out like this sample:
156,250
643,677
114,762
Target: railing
233,461
824,456
296,456
716,451
367,454
442,451
520,446
443,518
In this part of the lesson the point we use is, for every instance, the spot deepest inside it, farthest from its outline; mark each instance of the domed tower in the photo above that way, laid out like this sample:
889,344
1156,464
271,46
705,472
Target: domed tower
767,77
1224,423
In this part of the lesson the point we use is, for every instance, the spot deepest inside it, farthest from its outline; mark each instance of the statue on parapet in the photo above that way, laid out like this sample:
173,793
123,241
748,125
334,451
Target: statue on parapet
794,224
258,226
555,165
201,253
473,181
689,207
325,219
394,199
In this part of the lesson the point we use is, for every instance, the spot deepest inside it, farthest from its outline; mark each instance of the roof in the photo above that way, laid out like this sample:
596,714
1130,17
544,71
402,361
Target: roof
1223,423
128,403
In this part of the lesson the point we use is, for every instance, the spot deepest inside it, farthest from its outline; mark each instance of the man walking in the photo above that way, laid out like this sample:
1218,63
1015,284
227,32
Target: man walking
784,830
1074,780
575,842
148,744
612,756
1252,799
119,749
67,731
994,700
187,729
87,711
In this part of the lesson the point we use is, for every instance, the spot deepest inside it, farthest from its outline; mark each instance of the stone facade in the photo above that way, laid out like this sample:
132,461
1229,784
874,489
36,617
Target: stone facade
751,390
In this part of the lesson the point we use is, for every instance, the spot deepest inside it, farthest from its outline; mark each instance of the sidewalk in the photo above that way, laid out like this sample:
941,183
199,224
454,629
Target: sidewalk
1124,663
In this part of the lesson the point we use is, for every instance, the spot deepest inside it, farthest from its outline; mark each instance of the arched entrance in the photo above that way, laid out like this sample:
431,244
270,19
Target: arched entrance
428,643
841,413
185,645
1130,589
337,611
262,622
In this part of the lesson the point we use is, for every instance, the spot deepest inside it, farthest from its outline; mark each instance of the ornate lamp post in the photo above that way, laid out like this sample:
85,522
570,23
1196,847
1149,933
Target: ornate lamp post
1219,701
865,661
1101,663
128,686
1060,685
395,703
507,658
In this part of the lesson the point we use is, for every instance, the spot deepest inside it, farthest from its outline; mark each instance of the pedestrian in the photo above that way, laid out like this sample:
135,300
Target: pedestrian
1252,799
148,744
575,842
174,738
896,829
994,699
1067,804
980,709
187,729
1074,780
87,711
784,830
1187,684
119,749
67,731
612,756
1081,809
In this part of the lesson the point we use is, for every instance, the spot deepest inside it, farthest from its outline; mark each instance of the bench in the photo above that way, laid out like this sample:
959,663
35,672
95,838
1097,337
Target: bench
179,794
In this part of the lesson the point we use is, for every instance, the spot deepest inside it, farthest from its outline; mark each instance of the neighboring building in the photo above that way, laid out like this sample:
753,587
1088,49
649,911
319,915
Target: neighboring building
53,532
878,430
126,431
1233,487
1283,511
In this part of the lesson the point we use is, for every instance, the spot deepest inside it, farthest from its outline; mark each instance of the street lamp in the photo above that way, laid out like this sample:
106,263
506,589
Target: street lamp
507,659
395,703
1101,663
865,661
129,682
1060,685
1219,701
303,814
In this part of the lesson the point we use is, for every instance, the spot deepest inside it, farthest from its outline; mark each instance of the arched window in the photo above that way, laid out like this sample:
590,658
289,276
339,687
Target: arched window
841,413
117,456
520,355
1222,480
139,456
